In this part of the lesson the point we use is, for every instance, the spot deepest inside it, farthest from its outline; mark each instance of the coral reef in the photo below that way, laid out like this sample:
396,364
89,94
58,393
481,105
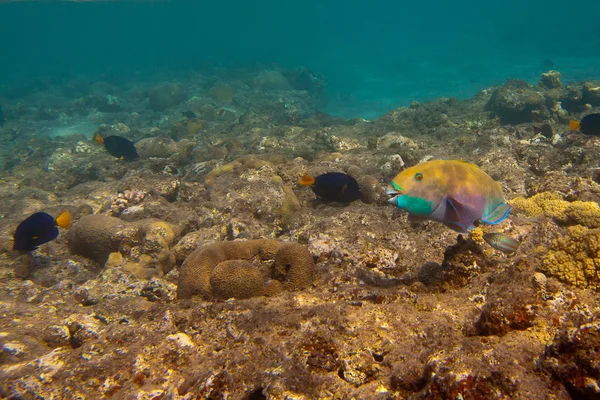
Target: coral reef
204,270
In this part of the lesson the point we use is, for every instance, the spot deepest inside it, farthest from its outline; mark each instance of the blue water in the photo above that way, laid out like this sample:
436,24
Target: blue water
376,55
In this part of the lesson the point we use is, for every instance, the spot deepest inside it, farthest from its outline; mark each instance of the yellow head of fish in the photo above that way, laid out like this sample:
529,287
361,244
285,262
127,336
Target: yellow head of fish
419,189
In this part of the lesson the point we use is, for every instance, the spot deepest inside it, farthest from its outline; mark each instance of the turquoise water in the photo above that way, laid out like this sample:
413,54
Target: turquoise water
376,55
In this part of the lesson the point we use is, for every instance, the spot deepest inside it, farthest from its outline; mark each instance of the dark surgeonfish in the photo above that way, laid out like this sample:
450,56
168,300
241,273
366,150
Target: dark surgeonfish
501,242
38,229
118,146
333,186
589,125
189,114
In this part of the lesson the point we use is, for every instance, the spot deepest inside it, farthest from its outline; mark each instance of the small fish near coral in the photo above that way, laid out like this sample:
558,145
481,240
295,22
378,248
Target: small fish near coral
38,229
454,192
333,186
189,114
118,146
501,242
589,125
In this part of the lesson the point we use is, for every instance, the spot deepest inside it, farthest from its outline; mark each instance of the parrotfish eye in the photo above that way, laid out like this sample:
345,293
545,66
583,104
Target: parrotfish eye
418,176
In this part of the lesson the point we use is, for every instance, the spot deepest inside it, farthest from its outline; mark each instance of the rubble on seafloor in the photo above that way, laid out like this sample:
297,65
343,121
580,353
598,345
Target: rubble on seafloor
204,270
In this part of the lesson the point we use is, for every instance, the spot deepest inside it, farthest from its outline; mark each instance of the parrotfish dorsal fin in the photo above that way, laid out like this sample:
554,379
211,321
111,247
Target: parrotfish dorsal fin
498,215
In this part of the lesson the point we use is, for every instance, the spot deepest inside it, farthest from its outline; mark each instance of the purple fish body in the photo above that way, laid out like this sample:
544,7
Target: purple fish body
456,193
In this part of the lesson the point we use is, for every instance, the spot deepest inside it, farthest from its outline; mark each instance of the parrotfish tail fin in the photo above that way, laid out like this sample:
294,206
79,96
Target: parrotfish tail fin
98,139
307,180
574,125
498,215
64,220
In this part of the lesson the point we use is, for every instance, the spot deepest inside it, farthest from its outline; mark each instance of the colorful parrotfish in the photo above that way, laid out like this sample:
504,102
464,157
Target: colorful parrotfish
456,193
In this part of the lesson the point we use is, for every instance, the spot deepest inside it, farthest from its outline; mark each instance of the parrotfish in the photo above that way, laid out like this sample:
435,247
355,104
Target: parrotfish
453,192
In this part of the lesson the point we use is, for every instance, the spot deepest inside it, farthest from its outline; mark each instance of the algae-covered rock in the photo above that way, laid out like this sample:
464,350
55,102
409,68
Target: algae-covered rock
165,96
156,147
222,93
270,80
515,101
145,243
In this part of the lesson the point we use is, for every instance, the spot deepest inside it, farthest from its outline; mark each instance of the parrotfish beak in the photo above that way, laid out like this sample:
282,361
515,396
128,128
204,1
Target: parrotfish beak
393,190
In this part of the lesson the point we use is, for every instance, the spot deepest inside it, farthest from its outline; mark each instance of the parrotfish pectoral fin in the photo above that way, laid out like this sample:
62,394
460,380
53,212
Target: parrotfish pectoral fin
498,215
458,216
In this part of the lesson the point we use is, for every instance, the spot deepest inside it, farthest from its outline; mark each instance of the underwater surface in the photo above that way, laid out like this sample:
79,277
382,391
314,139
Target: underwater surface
375,57
299,200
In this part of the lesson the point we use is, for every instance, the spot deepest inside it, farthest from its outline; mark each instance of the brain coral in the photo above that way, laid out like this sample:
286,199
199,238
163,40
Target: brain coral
563,212
575,258
236,278
95,236
204,268
294,266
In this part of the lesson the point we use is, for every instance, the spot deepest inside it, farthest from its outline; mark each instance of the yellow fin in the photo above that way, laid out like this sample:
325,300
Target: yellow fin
64,220
307,180
98,139
574,125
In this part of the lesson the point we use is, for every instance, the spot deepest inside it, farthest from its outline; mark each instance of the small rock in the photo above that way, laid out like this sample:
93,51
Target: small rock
550,80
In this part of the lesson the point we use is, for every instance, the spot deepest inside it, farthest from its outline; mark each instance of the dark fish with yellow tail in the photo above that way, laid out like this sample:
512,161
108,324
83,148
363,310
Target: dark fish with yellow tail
501,242
589,125
118,146
38,229
333,186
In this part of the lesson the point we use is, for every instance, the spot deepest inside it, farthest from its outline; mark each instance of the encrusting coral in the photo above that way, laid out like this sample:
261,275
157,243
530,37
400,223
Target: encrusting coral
575,258
293,266
551,205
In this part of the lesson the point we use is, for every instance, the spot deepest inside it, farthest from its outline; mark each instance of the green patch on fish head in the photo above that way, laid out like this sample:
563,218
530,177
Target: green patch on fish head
412,204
